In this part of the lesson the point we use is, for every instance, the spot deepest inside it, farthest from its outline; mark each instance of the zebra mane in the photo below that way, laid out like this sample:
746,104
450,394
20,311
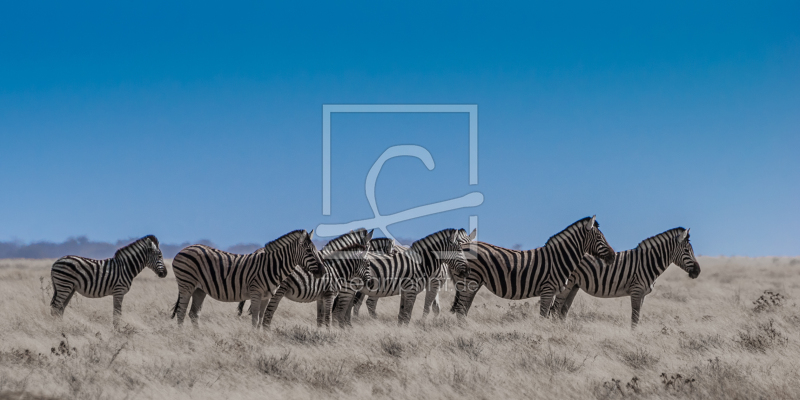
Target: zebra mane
383,245
345,241
671,234
433,238
284,240
579,223
151,238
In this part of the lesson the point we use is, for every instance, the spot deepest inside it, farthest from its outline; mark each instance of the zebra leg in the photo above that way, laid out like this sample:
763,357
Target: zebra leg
273,306
197,304
357,300
57,305
327,309
262,308
344,302
182,305
117,309
372,306
407,300
546,301
255,306
431,296
463,300
240,308
636,306
563,309
320,312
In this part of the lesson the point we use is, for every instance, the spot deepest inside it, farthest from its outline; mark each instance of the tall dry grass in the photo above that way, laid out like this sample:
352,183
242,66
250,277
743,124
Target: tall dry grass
709,337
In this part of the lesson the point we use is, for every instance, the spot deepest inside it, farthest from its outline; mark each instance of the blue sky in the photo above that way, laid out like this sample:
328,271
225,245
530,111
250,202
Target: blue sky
200,121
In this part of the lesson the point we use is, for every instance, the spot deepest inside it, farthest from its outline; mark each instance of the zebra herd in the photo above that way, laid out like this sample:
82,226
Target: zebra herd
356,266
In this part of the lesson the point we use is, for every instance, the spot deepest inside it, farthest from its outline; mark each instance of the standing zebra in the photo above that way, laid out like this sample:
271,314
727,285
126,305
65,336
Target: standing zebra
408,273
201,270
632,273
100,278
515,275
346,267
389,247
384,246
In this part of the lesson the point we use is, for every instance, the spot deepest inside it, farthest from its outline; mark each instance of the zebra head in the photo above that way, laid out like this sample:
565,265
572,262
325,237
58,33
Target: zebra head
154,259
363,272
310,258
350,261
595,242
683,256
452,253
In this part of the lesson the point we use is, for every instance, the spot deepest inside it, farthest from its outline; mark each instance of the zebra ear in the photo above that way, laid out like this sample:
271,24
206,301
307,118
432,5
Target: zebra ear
311,235
369,236
685,235
591,224
473,235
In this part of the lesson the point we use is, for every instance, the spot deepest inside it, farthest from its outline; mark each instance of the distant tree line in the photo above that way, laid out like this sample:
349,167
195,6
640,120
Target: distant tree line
84,247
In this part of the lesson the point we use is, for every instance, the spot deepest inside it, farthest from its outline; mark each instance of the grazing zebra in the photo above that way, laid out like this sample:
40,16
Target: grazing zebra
407,273
201,270
632,273
100,278
515,274
346,267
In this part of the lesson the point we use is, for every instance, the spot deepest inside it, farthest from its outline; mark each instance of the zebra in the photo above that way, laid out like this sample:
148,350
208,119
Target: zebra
384,246
407,273
632,272
543,272
201,270
100,278
389,247
346,266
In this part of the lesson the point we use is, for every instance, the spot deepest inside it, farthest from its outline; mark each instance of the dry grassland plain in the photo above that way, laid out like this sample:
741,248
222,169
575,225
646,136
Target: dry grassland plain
706,338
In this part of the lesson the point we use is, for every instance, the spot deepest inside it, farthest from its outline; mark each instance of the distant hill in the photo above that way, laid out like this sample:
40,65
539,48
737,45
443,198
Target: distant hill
84,247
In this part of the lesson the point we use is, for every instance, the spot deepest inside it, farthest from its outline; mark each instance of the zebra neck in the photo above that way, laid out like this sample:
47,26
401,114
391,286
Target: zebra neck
130,262
567,252
658,258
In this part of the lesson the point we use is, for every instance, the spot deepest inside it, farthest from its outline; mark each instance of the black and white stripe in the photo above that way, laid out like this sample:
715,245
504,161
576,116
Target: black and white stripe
632,273
515,274
407,273
201,270
100,278
346,268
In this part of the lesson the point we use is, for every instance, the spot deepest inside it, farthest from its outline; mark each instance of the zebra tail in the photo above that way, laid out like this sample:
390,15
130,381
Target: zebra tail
175,307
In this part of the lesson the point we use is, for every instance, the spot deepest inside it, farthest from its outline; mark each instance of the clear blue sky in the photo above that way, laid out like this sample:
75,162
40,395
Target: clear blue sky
191,120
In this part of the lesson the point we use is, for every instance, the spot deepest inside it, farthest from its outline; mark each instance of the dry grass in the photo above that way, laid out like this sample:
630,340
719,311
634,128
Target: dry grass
719,336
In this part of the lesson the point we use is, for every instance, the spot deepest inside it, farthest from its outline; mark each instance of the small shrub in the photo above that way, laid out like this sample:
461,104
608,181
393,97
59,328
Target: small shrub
517,312
469,346
761,338
560,363
371,369
274,366
677,383
701,343
639,359
463,378
64,348
769,301
303,335
392,346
